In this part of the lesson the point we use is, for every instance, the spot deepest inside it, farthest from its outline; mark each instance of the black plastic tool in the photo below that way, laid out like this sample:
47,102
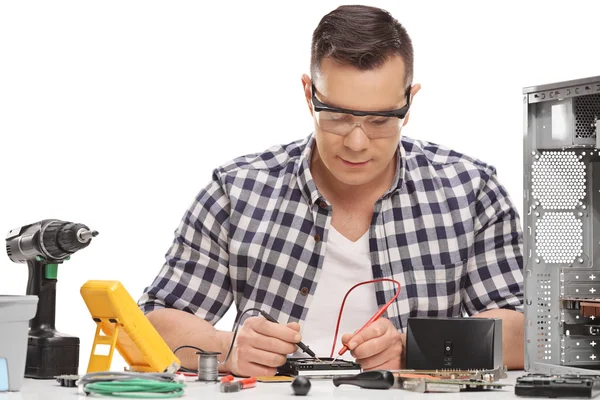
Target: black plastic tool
301,386
368,380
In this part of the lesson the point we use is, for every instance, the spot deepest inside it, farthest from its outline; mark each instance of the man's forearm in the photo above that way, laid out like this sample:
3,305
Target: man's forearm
179,328
512,335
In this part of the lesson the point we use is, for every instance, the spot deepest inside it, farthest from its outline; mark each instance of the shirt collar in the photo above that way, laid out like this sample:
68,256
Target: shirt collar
309,188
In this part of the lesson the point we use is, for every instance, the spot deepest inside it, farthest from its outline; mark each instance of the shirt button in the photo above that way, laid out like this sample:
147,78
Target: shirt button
322,204
317,237
304,291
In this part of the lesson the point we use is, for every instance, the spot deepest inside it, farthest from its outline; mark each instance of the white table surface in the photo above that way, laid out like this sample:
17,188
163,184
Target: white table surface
320,389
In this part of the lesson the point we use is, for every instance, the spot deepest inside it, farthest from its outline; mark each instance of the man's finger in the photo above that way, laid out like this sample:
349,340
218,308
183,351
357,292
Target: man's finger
371,348
346,338
375,330
271,344
247,368
294,325
374,361
282,332
264,358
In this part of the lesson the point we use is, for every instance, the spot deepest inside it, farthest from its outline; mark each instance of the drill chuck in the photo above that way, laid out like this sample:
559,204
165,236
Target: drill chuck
53,240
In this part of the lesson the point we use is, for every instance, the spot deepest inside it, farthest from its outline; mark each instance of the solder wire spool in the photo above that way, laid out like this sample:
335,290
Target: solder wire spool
208,366
208,363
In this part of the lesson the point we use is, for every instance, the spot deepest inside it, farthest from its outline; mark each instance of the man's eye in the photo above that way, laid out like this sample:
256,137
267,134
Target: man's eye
381,121
337,116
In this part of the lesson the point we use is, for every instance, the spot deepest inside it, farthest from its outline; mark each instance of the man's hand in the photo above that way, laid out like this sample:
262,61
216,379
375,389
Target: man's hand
261,346
379,346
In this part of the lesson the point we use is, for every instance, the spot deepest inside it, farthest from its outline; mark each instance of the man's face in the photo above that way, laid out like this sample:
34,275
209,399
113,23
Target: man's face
354,158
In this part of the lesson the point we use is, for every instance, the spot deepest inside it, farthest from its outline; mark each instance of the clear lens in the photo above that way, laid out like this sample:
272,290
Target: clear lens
373,126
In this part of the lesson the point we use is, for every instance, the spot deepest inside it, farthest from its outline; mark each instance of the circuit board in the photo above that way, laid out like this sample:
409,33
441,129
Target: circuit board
487,375
449,381
319,368
423,385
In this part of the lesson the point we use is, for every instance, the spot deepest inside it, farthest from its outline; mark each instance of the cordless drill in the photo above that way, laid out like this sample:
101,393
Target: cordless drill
43,245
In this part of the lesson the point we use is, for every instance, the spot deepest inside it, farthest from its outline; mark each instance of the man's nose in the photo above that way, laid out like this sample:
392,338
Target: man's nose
357,139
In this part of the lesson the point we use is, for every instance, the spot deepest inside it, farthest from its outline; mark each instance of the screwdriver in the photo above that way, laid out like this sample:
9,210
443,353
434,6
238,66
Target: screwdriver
368,380
302,346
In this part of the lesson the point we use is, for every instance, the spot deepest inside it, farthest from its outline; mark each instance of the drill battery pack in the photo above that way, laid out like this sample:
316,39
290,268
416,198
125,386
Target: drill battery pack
50,356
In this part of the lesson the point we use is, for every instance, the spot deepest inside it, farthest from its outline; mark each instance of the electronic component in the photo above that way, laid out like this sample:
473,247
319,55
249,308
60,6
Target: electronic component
323,368
449,380
487,375
435,385
542,385
561,202
457,343
125,328
275,379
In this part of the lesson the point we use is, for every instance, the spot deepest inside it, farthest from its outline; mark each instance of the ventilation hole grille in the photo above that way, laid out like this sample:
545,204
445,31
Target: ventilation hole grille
559,237
544,317
587,111
558,180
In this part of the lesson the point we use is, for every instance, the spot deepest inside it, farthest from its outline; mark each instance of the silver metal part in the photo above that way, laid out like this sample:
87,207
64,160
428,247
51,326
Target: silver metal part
84,235
208,365
561,203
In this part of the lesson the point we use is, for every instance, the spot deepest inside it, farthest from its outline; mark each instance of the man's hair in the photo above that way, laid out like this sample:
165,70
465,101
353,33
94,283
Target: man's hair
363,37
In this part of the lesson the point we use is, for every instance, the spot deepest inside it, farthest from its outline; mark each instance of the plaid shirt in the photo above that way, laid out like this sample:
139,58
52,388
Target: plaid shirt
256,235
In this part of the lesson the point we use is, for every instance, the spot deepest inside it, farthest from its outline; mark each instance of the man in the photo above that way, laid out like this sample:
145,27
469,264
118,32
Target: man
290,230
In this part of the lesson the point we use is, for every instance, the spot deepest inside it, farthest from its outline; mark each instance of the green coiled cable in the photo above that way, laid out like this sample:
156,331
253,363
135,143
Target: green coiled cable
133,385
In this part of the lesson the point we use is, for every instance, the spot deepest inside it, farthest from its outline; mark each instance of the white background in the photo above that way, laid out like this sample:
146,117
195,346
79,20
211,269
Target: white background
115,113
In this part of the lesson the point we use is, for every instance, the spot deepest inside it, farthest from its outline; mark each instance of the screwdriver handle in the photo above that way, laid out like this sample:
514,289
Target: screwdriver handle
367,380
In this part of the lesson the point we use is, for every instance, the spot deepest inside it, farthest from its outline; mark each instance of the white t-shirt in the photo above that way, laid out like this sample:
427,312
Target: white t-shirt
346,263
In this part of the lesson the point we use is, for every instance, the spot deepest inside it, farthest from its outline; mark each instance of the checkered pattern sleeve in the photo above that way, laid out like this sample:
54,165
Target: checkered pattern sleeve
195,276
495,266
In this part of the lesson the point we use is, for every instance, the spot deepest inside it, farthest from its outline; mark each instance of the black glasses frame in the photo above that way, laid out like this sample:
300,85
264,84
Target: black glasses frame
398,113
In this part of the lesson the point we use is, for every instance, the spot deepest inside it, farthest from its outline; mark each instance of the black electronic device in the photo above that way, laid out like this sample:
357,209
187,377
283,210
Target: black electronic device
43,245
453,343
558,386
319,368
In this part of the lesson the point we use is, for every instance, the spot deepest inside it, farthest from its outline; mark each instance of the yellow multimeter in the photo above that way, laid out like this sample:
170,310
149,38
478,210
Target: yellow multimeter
122,325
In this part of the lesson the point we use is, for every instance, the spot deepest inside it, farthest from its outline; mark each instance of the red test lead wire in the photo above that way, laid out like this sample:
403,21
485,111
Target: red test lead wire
374,318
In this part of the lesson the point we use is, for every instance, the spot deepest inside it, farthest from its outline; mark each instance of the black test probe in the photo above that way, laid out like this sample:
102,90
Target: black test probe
302,346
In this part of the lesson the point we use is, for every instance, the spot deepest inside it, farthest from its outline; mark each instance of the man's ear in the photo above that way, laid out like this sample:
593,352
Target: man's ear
306,86
413,91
